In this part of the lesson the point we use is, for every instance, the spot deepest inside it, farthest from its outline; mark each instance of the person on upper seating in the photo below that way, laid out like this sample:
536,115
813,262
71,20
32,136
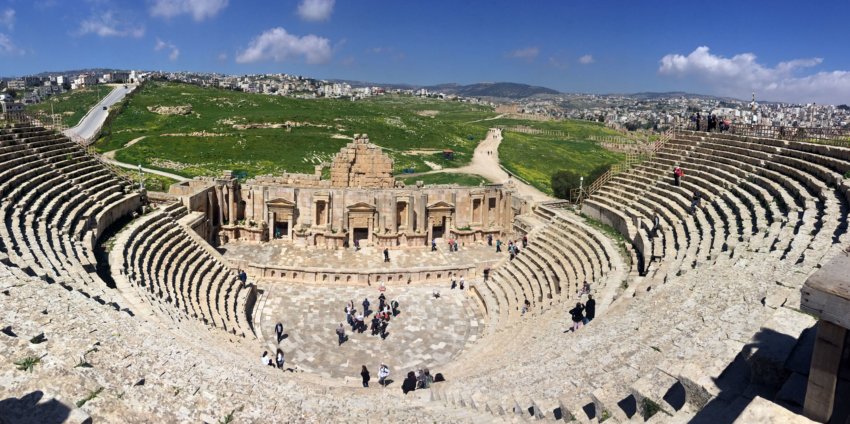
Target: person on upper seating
678,173
526,305
364,374
698,121
589,309
524,241
409,383
266,359
577,315
656,224
383,373
695,201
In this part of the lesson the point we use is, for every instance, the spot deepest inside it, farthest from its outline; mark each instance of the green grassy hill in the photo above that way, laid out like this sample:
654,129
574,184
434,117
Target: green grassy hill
234,130
73,105
411,130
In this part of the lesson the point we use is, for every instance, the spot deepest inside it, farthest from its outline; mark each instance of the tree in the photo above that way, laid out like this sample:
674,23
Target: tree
565,180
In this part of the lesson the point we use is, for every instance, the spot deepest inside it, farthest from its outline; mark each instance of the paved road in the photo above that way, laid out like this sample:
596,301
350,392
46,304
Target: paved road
90,125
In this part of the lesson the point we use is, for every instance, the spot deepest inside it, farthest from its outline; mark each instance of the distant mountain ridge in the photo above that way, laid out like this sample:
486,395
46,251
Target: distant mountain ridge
506,90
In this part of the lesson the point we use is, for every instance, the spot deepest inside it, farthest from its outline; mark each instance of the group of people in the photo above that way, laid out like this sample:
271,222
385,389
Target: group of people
279,358
713,123
357,320
453,245
419,380
582,314
454,282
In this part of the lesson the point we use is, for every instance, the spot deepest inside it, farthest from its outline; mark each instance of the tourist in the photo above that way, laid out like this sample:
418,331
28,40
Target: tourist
409,383
486,274
278,329
524,241
386,255
454,283
489,239
698,121
348,317
364,373
524,308
340,332
243,277
356,245
394,305
428,379
384,324
589,309
433,245
461,282
383,373
678,173
436,294
366,306
376,324
266,360
577,314
695,201
420,379
359,325
498,246
279,359
656,224
585,289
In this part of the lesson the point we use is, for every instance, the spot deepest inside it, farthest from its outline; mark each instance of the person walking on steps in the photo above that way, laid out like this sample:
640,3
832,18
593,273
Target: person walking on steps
364,374
678,173
383,373
577,314
589,309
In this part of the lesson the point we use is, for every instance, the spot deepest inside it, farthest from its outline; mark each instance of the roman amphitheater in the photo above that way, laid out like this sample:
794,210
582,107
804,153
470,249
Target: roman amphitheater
121,305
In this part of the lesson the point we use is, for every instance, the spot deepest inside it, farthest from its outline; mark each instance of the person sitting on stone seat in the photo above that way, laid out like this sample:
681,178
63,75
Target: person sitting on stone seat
409,383
279,359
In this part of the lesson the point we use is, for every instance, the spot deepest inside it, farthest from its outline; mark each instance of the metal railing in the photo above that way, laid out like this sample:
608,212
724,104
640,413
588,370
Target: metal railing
829,136
578,195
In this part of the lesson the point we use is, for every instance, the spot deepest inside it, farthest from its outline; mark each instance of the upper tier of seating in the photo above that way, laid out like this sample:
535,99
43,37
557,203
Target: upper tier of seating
719,281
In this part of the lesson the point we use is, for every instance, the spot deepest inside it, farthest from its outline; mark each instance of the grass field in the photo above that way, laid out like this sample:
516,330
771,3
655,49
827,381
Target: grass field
72,105
445,178
535,158
411,130
414,131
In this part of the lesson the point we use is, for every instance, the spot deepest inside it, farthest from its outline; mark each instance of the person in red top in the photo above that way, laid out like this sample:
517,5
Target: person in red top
677,175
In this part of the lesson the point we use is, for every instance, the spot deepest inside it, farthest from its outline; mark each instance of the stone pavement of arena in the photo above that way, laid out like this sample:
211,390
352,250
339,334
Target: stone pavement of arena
428,332
273,254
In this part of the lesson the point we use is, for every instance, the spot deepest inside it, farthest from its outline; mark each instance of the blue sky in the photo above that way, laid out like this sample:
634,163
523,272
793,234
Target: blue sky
783,50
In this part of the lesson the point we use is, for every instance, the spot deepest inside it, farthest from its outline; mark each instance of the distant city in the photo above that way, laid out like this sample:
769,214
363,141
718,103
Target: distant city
641,111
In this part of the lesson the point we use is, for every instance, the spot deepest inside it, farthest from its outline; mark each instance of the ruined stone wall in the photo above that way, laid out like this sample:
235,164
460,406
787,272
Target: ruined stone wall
362,164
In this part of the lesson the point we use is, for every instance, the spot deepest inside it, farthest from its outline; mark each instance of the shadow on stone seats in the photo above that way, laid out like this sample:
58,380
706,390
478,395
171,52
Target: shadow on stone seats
30,409
737,378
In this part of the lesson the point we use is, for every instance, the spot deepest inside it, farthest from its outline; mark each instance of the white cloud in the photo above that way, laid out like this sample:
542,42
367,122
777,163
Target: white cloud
7,19
586,59
199,9
315,10
528,53
7,47
165,45
739,75
222,57
278,45
107,25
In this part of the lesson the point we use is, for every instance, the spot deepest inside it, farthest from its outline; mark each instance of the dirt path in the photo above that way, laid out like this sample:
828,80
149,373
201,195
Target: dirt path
485,162
485,119
111,154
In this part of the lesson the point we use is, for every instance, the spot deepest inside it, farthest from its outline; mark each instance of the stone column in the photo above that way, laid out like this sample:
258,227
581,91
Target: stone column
371,228
220,197
291,226
271,218
233,210
410,214
430,232
826,359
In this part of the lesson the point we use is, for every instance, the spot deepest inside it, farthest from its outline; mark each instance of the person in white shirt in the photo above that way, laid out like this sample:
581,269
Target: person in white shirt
383,373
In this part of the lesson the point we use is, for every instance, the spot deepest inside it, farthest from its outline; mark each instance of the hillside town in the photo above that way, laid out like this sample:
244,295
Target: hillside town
648,111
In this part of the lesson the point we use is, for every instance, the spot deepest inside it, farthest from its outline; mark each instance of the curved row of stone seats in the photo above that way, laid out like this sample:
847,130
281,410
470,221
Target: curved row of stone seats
669,349
561,256
150,373
170,267
39,190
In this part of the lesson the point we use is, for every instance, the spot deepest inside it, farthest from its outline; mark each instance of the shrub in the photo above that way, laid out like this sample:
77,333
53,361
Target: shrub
565,181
